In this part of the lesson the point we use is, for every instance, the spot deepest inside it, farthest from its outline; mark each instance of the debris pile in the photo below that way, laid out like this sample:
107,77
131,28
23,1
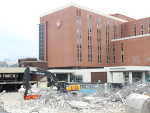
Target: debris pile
111,101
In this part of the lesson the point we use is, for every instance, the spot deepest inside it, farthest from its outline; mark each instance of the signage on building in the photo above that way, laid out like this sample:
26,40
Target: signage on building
116,68
58,23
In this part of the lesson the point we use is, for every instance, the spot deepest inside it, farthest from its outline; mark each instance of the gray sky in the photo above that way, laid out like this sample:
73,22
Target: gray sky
19,21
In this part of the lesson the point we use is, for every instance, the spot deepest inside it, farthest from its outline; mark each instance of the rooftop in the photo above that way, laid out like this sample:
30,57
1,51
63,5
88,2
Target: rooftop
84,8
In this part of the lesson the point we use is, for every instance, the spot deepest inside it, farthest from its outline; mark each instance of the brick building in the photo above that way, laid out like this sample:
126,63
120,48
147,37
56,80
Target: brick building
75,37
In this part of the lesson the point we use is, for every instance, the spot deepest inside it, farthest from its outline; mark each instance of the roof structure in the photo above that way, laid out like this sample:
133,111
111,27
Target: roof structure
84,8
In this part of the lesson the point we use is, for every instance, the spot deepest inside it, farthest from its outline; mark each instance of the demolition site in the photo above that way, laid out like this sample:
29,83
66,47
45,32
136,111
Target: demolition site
88,62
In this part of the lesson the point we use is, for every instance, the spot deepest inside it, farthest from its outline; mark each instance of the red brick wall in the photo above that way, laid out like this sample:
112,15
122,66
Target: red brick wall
61,46
129,27
122,17
133,49
59,40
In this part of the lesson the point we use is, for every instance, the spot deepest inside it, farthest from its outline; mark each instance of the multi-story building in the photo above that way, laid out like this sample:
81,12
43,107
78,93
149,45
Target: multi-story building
75,37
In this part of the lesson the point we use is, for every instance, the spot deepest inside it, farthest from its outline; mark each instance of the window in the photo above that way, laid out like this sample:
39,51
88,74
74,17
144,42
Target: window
122,58
79,37
134,29
122,31
76,78
149,26
114,53
89,26
99,39
107,42
41,41
142,28
115,31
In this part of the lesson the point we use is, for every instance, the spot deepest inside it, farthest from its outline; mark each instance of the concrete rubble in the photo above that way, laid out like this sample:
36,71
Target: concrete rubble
57,102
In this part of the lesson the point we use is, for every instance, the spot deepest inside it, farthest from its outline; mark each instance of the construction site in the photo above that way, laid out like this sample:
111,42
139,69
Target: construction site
88,62
129,99
28,89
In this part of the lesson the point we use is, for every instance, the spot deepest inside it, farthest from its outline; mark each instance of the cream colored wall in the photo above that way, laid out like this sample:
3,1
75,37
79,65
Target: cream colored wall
14,69
85,75
118,77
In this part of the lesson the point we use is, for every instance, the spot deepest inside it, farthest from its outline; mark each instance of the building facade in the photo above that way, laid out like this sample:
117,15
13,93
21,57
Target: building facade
75,37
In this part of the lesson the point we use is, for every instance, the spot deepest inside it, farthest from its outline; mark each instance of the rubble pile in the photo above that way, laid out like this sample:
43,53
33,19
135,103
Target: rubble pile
116,94
111,101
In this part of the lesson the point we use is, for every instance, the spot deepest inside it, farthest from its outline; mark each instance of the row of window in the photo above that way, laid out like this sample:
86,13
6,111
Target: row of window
142,28
76,78
149,25
115,30
122,31
107,42
99,40
122,57
79,37
89,26
41,41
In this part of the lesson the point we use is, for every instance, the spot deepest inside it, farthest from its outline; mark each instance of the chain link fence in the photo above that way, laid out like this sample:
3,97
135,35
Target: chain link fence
94,87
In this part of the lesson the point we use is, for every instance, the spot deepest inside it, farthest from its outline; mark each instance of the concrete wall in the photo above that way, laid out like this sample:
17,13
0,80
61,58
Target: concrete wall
86,75
14,69
118,77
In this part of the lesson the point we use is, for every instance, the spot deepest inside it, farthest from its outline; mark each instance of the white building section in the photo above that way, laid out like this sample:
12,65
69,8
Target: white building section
118,77
121,74
85,73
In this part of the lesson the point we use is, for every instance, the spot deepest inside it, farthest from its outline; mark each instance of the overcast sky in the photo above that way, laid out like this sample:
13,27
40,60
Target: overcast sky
19,21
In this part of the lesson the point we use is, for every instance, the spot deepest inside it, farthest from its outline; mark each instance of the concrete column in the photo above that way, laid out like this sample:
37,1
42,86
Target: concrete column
130,77
124,78
68,77
105,87
15,77
109,77
15,81
143,77
21,91
1,77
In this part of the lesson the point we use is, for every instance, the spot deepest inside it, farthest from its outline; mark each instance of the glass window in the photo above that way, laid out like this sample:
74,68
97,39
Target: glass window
76,78
149,25
142,28
79,36
41,41
89,37
122,31
115,31
114,53
107,42
122,52
134,29
121,46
